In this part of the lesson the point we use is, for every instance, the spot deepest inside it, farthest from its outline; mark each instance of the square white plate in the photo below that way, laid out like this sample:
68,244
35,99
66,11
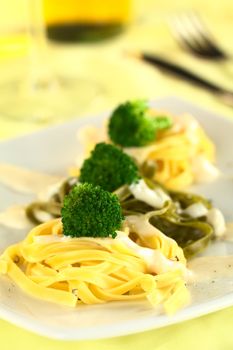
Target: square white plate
53,150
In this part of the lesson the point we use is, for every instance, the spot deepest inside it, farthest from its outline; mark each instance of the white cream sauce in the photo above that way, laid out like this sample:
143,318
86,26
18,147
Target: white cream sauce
208,267
50,190
203,169
188,124
156,262
140,225
156,197
228,234
196,210
216,219
24,180
15,217
212,277
53,238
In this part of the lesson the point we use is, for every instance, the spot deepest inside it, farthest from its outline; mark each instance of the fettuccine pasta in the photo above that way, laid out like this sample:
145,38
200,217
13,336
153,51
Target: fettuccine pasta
69,271
181,155
176,152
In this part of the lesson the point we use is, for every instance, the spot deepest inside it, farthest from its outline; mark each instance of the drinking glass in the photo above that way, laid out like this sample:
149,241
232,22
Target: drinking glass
40,95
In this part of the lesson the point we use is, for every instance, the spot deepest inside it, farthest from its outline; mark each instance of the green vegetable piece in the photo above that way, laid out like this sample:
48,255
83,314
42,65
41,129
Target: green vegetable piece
109,168
162,122
131,124
52,205
193,235
148,168
186,199
89,211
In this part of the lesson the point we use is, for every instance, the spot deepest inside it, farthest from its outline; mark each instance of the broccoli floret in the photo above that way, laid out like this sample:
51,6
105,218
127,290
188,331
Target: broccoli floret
132,125
89,211
109,168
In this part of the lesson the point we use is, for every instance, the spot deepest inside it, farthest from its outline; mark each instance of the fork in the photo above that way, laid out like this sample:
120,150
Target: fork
192,34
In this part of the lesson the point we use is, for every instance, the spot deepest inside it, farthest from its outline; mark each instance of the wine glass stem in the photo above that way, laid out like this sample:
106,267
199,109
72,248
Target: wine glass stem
40,71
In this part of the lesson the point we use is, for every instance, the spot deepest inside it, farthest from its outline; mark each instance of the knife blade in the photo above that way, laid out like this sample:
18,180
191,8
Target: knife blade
225,95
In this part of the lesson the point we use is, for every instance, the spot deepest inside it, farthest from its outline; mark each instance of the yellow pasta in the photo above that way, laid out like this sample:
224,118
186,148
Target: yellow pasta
69,271
174,152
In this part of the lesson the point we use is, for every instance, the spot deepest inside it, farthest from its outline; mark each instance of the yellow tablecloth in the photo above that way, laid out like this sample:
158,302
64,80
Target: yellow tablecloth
119,78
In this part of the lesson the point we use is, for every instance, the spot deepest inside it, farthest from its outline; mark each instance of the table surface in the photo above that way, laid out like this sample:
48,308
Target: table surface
116,78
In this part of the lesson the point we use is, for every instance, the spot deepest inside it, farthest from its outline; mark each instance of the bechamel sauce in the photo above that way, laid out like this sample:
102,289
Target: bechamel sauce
15,217
196,210
156,262
141,226
24,180
214,217
156,197
211,277
228,234
203,170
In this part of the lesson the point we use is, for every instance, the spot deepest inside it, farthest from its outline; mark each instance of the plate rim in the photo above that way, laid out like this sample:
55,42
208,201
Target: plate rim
125,328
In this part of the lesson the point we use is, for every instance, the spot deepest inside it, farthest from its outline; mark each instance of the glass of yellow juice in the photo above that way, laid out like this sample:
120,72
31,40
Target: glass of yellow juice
86,20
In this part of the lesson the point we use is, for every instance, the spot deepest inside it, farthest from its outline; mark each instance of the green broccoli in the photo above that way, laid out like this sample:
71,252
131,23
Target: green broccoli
89,211
132,125
109,168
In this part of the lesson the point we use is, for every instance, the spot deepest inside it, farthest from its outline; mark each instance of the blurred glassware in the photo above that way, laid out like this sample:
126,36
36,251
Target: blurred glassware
40,95
86,20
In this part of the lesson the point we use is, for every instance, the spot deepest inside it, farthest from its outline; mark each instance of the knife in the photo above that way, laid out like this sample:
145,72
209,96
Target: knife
225,95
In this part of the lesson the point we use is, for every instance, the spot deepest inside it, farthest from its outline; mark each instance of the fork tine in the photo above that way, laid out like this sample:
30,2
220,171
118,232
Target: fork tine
186,36
198,37
205,35
192,34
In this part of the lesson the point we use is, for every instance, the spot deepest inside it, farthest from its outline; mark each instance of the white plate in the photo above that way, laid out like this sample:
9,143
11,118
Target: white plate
53,150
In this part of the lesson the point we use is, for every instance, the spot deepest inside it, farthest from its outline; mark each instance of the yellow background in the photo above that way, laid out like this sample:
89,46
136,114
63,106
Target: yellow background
121,78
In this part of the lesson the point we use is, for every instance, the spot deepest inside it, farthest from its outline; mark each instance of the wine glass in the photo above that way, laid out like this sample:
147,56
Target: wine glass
41,96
